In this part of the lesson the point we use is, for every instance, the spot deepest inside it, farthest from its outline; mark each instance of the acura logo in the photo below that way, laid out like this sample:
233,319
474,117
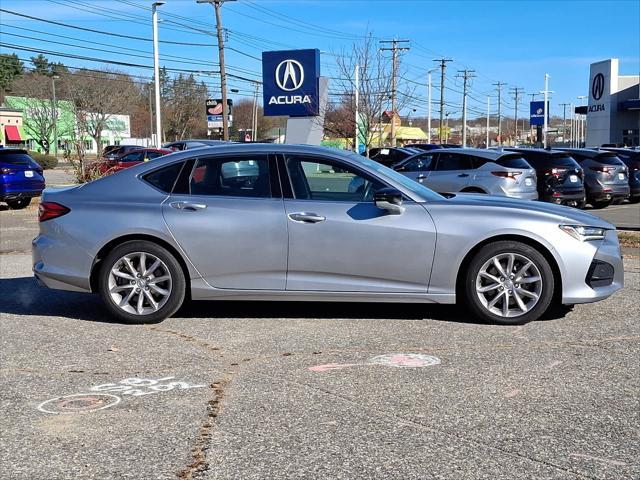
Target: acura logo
597,87
289,75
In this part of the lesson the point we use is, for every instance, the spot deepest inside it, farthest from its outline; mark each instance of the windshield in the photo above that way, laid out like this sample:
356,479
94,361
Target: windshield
15,158
396,177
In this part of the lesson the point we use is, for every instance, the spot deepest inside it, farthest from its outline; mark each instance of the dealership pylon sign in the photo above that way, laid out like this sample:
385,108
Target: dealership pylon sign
291,83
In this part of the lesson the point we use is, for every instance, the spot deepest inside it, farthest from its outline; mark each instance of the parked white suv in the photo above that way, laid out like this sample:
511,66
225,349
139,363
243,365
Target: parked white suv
472,170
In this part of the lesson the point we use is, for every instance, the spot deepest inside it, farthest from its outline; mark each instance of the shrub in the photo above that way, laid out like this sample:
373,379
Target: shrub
44,160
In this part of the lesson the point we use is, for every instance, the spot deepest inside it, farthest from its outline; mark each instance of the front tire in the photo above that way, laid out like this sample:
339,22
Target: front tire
18,204
508,283
141,282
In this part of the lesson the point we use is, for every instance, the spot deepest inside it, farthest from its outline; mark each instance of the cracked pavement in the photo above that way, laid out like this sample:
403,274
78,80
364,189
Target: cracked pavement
234,396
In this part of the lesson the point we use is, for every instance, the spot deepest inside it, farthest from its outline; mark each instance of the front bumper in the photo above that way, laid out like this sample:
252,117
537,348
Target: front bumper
576,288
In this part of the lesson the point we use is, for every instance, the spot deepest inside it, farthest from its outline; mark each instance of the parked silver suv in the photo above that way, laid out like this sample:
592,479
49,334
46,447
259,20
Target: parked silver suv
472,170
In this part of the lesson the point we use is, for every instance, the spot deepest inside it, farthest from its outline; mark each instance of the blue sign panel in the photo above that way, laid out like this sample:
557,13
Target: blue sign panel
536,113
290,82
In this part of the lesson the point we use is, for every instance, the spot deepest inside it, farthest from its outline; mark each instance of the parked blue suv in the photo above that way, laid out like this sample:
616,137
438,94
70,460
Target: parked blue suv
21,178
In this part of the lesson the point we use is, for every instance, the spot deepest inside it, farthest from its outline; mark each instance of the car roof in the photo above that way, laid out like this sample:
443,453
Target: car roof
539,151
585,152
477,152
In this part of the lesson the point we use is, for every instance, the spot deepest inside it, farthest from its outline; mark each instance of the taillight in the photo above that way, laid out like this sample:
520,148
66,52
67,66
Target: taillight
556,172
7,171
603,169
511,175
49,210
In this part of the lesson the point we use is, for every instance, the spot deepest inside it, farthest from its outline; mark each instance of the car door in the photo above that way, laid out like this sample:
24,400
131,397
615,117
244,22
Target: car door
340,241
227,214
451,172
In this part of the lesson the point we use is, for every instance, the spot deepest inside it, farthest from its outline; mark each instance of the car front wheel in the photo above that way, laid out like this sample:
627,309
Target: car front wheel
141,282
509,283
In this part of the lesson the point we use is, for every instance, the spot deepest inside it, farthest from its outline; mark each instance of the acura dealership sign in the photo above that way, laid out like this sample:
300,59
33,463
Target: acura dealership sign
290,81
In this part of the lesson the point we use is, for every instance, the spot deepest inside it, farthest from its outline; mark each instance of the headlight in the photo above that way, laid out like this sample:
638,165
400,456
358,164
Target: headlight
583,232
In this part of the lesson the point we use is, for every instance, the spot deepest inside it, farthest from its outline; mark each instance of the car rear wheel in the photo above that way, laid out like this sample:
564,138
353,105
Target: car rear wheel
141,282
509,283
19,203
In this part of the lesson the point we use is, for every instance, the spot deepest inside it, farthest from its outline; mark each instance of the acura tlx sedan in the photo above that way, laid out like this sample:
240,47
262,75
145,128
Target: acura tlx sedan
279,222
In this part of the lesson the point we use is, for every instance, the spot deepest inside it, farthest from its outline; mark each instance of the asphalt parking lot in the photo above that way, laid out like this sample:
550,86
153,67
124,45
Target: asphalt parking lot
282,390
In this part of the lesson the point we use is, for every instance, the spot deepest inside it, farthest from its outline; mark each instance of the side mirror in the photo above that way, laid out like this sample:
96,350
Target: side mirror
389,199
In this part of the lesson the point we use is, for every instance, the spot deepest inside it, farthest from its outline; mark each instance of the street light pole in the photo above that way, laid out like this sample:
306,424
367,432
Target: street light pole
429,104
150,116
254,118
55,115
223,75
582,119
488,114
156,71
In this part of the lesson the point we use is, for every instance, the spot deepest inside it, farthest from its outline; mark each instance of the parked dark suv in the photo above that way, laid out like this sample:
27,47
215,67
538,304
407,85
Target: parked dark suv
21,178
631,158
605,176
560,178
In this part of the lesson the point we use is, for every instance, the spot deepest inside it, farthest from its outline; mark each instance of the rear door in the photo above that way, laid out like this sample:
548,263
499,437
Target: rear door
227,214
451,173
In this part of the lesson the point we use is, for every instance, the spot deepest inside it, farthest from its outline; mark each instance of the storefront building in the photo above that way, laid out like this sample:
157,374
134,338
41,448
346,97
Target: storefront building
613,113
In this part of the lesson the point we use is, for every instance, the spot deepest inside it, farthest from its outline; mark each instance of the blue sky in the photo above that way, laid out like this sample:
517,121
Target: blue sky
516,42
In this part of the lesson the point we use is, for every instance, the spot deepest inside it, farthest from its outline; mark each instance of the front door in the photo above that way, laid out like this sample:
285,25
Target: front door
340,241
230,221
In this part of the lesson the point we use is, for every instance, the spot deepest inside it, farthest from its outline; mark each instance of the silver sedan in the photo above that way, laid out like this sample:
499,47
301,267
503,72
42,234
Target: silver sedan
280,222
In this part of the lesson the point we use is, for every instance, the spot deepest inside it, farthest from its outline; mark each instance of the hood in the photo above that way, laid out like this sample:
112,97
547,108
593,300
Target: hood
564,214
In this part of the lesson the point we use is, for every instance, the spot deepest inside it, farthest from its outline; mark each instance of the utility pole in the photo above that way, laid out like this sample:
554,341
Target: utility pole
394,72
223,75
156,71
356,100
488,116
564,121
254,118
516,95
499,86
466,75
443,66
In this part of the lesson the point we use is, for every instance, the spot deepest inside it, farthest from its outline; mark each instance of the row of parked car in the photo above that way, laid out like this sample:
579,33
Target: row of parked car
574,177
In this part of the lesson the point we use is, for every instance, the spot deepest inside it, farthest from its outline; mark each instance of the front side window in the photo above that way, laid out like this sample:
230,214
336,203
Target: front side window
321,179
246,176
420,163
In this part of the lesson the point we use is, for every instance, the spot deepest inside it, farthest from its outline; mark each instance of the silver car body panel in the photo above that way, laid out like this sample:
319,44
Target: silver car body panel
359,253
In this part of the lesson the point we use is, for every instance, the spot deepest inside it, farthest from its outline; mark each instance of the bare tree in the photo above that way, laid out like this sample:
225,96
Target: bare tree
184,107
374,93
97,97
34,95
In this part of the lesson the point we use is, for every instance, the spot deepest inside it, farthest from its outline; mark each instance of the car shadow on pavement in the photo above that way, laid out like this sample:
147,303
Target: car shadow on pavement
23,296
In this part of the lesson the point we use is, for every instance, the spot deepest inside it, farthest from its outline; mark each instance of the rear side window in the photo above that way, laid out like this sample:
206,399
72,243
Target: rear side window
453,161
608,159
15,158
513,162
164,178
133,157
246,176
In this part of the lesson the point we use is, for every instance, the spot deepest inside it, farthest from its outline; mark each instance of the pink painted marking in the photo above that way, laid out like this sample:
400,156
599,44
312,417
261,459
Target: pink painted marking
331,366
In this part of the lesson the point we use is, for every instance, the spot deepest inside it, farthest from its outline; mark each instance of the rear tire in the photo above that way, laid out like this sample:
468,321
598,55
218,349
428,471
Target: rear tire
18,204
519,292
141,282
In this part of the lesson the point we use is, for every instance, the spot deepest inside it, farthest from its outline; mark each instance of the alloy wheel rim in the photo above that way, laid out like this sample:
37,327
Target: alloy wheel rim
139,283
509,285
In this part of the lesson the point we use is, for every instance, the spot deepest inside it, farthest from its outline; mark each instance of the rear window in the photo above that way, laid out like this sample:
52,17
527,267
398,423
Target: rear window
164,178
513,162
15,158
561,161
608,159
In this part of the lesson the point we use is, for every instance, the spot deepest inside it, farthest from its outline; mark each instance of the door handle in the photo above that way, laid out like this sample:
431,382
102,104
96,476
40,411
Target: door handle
421,176
463,175
191,206
305,217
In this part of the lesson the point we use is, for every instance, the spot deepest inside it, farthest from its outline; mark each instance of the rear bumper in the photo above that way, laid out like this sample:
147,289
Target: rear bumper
609,192
523,195
16,194
48,258
560,196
